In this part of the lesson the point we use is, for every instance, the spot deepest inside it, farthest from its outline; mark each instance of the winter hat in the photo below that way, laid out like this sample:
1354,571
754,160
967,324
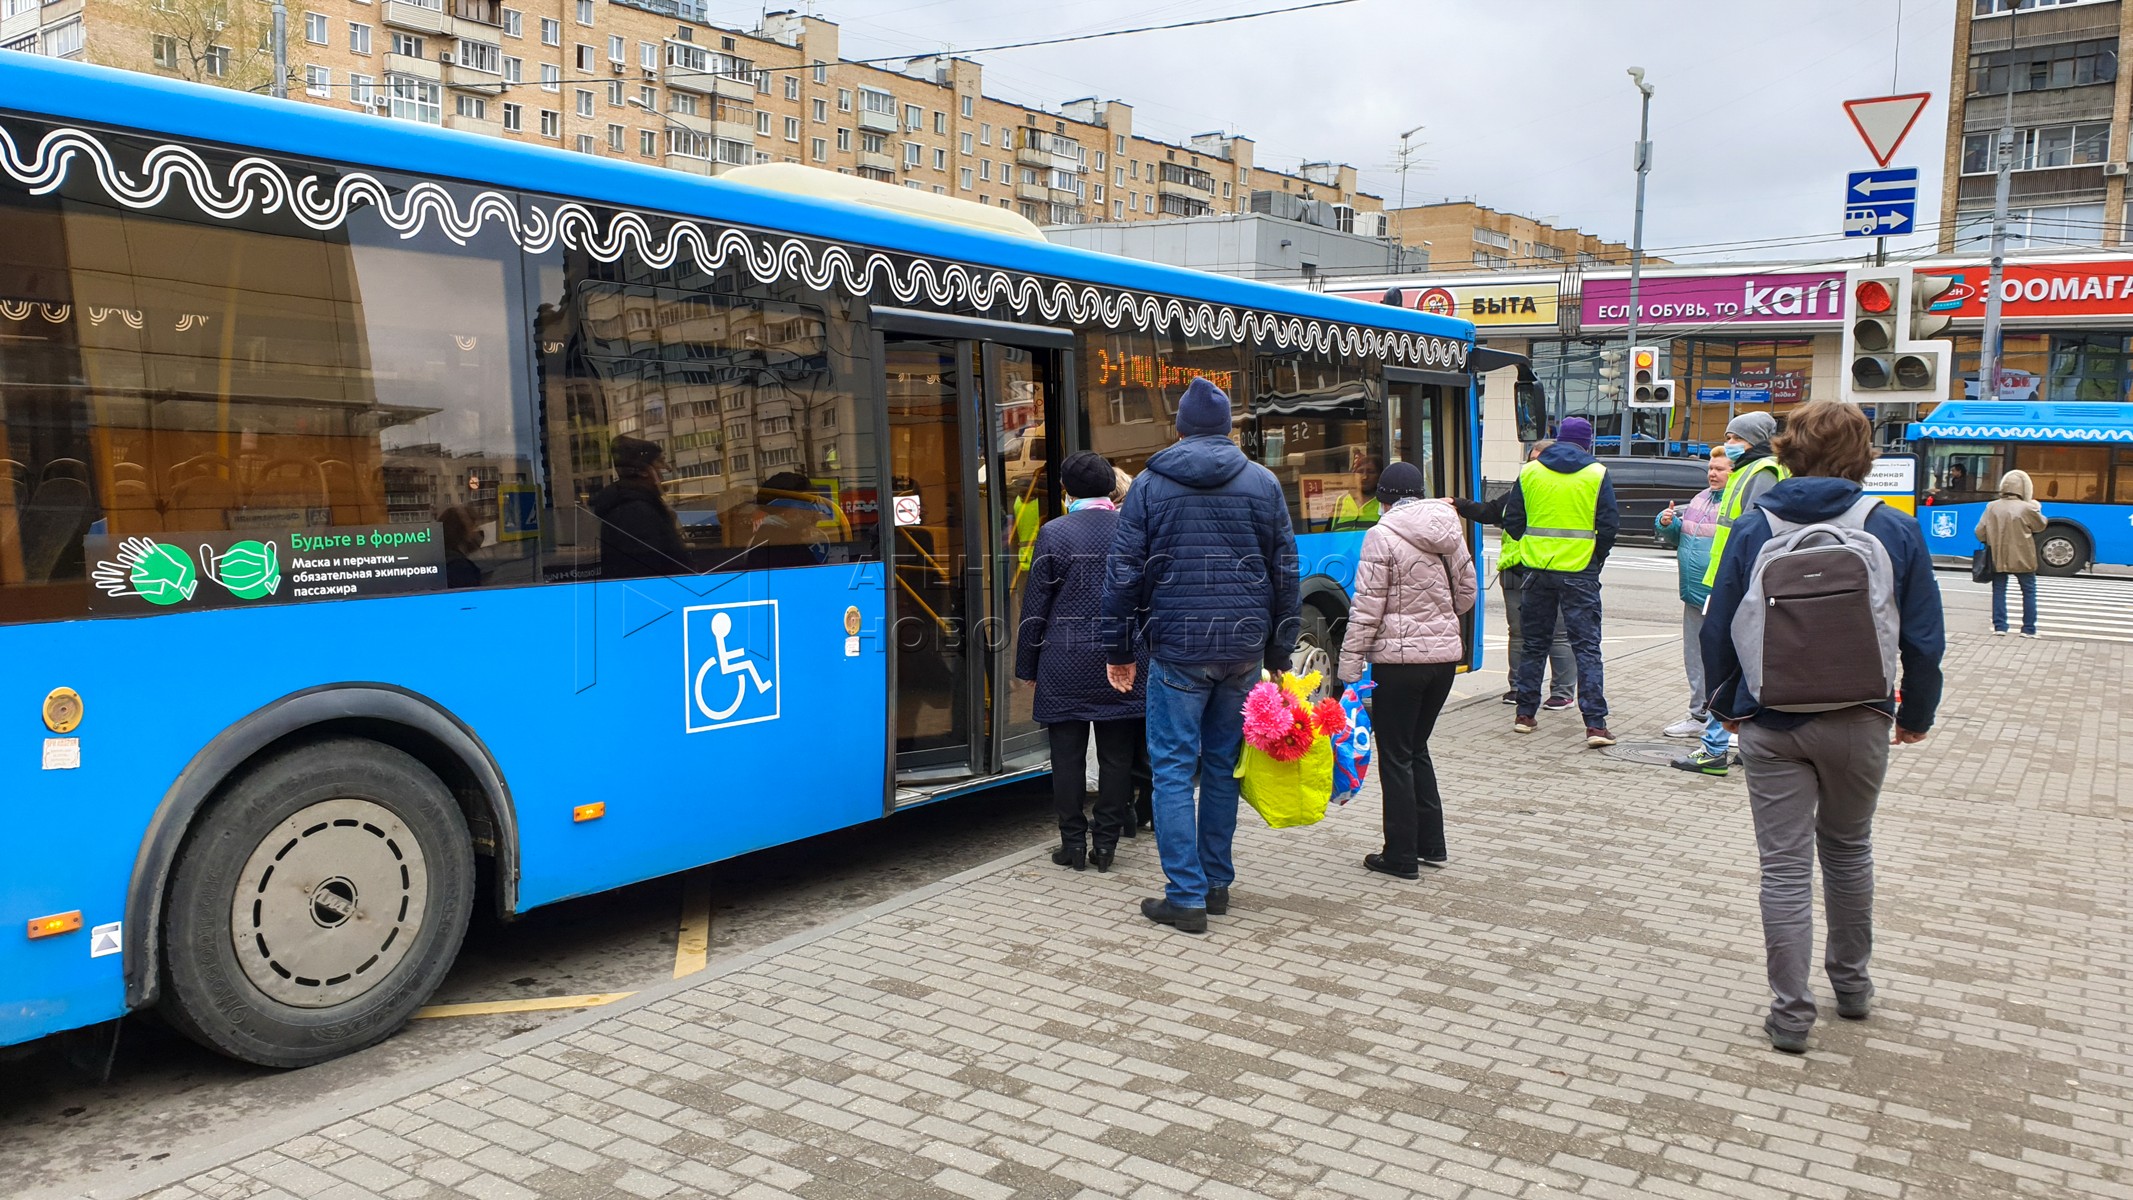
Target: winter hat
1085,474
1754,428
1203,410
1577,431
633,456
1400,481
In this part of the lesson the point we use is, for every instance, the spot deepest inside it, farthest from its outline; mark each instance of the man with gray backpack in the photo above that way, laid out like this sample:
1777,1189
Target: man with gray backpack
1824,610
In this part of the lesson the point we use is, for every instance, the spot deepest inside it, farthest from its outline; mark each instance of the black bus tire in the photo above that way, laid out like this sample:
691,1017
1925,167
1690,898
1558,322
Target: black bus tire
2062,550
357,879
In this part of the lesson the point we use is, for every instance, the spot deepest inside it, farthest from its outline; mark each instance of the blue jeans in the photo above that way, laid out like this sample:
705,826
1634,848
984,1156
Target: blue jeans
1716,741
2029,601
1575,598
1196,723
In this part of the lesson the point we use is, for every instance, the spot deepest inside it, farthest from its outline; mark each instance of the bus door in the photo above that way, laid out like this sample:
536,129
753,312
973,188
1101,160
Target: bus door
1427,414
971,462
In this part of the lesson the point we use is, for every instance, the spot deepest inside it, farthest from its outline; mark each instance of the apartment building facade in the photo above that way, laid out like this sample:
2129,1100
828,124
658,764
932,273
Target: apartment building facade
2049,69
653,81
1463,235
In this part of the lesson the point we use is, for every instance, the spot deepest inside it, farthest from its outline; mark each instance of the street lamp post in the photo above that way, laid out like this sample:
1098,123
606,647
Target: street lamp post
1643,158
1398,245
280,88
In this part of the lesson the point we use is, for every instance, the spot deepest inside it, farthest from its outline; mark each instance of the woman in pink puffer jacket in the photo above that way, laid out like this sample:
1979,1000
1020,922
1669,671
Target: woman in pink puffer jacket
1415,580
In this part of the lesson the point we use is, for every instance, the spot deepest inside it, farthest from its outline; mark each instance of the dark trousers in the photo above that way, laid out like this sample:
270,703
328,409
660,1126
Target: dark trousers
1562,666
1575,596
1403,712
1118,743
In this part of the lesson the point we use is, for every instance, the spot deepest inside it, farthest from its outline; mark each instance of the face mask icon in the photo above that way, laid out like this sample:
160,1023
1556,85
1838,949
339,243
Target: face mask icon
155,571
249,570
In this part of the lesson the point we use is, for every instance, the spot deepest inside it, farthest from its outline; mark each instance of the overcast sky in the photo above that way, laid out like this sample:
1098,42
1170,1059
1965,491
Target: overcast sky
1526,103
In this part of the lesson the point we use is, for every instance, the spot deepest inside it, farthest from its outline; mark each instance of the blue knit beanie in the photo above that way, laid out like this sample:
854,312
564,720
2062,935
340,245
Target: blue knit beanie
1203,410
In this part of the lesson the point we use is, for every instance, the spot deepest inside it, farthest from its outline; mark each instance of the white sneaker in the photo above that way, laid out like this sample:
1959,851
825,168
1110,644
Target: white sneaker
1999,633
1686,727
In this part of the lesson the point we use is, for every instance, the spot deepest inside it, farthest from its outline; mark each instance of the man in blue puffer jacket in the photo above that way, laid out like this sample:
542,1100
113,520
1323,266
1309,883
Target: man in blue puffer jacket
1204,562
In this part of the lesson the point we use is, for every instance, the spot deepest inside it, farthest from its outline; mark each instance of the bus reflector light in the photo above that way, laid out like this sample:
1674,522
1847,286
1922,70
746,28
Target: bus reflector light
584,812
57,923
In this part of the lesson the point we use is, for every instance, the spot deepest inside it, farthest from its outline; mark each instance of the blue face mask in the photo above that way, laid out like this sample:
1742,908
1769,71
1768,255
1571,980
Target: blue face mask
1734,451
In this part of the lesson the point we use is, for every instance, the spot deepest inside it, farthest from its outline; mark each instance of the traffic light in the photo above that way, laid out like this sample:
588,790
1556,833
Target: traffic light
1889,350
1643,374
1663,393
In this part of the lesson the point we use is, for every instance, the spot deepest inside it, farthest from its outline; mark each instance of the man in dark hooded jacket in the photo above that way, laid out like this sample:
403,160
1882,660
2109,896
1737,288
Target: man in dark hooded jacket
638,533
1204,562
1562,511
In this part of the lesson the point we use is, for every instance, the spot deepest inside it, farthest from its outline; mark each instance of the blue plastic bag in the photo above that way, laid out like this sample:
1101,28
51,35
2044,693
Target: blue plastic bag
1351,750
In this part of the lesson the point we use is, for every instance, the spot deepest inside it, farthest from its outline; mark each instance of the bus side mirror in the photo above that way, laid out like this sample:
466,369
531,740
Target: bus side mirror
1529,402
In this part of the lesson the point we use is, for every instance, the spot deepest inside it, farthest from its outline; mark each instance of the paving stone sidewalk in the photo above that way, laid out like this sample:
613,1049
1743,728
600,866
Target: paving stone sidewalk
1573,1007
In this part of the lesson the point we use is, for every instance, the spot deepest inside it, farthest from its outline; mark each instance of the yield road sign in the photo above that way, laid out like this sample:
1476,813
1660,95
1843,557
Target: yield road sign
1878,220
1884,120
1880,187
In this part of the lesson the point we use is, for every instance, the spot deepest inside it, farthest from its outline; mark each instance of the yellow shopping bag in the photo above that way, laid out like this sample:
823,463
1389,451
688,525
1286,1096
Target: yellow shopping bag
1294,792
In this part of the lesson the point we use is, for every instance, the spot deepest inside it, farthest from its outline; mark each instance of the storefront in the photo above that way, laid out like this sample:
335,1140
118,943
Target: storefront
2067,329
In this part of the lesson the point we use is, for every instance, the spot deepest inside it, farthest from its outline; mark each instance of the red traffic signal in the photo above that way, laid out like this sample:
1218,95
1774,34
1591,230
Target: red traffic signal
1873,296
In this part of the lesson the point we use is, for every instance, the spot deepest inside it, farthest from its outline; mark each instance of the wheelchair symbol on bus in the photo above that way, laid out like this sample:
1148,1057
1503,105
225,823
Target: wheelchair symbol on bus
731,651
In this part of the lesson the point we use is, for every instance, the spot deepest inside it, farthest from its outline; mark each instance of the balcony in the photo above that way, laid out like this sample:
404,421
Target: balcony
1033,191
878,160
878,122
485,82
414,68
1190,191
492,124
399,14
732,129
683,162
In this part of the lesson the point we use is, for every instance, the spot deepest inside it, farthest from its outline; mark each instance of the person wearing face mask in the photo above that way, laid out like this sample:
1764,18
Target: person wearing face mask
1755,471
1687,530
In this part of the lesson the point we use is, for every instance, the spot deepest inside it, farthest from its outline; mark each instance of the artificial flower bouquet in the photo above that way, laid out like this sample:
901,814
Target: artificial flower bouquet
1285,771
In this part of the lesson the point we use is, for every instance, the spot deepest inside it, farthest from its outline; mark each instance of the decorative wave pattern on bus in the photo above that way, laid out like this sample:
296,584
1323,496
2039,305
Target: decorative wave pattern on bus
2030,433
254,181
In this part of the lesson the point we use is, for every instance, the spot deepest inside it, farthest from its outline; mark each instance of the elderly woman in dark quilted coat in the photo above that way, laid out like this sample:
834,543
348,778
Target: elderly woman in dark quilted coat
1060,647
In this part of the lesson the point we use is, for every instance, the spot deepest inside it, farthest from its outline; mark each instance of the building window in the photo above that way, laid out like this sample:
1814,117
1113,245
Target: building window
163,49
1118,176
318,81
514,70
966,144
358,38
407,45
648,56
551,32
648,96
315,28
914,117
985,169
984,134
2079,144
873,143
615,134
762,83
792,129
844,99
844,139
2043,68
1148,203
1994,8
587,57
818,149
683,102
963,178
551,77
473,107
1096,193
360,91
792,87
822,73
585,103
1118,210
514,117
614,93
940,159
821,109
412,99
762,122
551,123
586,144
514,23
1225,191
940,122
647,143
1099,160
585,12
481,56
618,49
970,107
914,154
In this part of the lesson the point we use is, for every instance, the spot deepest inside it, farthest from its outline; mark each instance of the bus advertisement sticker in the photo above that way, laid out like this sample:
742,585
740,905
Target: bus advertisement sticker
234,568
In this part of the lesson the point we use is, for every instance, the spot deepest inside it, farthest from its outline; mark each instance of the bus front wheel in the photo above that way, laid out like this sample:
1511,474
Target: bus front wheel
2062,550
1318,648
316,904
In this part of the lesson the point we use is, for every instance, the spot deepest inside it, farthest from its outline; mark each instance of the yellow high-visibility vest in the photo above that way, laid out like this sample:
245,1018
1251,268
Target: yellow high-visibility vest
1560,516
1729,506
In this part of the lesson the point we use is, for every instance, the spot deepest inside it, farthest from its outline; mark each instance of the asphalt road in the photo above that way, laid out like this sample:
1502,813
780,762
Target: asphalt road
163,1091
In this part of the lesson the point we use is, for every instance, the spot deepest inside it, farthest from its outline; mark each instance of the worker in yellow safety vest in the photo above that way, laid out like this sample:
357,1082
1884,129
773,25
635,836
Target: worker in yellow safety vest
1351,513
1755,471
1562,511
1511,577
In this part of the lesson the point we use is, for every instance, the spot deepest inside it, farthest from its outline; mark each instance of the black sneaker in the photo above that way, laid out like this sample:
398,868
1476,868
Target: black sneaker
1854,1006
1786,1041
1701,763
1510,697
1217,901
1376,862
1184,920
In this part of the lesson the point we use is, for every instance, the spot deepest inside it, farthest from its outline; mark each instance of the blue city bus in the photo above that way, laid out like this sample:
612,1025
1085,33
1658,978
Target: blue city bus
372,494
2079,456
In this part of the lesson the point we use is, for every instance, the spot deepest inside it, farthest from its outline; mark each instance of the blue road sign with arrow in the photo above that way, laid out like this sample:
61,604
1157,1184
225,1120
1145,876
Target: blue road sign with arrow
1880,203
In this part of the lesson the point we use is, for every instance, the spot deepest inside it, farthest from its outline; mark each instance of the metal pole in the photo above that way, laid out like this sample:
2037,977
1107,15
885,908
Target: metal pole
1988,357
1397,246
1636,257
280,89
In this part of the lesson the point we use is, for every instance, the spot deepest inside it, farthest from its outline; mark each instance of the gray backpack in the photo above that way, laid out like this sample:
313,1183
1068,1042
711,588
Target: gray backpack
1817,629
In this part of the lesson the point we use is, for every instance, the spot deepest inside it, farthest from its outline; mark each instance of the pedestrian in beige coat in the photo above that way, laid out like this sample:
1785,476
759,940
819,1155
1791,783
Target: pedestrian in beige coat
2008,529
1414,581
